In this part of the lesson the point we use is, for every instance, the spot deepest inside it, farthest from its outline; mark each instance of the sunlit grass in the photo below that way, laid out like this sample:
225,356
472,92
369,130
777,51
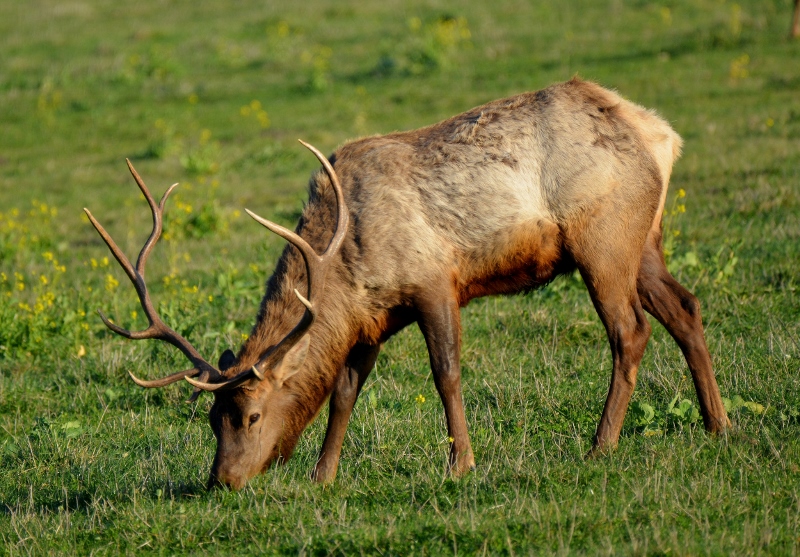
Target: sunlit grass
214,97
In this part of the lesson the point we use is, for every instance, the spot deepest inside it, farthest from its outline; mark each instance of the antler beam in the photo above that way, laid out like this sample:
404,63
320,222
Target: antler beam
157,329
316,270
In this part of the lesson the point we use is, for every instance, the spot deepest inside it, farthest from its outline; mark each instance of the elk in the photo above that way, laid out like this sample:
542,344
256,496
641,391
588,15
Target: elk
413,225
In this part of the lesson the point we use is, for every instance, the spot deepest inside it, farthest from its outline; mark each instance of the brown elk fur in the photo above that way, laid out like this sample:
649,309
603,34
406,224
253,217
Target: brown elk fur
497,200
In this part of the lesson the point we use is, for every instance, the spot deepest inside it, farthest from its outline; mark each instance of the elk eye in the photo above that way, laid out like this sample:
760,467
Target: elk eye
254,418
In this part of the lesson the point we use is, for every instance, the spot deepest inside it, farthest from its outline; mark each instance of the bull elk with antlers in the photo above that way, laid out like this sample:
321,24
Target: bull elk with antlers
411,226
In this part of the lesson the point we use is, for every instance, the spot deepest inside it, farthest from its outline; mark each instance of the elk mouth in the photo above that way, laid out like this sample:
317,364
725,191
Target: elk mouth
236,477
217,482
220,478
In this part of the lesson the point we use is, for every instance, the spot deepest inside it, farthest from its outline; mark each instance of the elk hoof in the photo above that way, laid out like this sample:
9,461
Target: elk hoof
598,451
323,475
462,467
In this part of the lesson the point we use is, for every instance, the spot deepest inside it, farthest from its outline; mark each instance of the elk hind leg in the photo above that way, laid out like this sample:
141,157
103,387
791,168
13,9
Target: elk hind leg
348,385
678,310
610,276
628,332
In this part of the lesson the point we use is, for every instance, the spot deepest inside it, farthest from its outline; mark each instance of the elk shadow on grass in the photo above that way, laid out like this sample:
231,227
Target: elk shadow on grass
84,500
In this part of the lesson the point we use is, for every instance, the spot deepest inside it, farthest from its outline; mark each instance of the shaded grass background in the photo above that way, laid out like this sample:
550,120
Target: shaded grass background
90,463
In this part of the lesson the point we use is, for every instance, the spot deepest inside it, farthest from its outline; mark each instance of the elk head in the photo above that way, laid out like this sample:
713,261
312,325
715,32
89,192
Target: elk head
251,403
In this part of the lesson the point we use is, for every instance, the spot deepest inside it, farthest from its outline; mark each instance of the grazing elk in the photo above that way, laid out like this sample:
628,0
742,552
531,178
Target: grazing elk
411,227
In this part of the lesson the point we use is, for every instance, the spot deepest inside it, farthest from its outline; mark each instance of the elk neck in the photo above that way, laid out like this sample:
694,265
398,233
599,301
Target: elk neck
333,332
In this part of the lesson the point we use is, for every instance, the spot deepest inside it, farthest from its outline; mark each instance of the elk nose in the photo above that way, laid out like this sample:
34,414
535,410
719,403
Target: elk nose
219,478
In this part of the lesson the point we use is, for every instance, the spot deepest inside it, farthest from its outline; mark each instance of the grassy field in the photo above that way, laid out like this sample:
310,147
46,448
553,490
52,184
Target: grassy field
215,98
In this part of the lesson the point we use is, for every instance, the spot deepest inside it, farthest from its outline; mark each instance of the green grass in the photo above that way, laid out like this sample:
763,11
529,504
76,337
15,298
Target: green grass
90,463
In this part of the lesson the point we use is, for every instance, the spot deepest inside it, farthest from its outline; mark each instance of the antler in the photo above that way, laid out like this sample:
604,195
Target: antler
316,270
157,328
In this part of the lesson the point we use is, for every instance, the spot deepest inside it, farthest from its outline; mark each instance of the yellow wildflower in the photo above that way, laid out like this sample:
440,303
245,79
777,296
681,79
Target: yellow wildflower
420,399
111,283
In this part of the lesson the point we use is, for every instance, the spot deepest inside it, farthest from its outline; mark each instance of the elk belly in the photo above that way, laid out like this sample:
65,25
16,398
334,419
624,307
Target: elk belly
518,258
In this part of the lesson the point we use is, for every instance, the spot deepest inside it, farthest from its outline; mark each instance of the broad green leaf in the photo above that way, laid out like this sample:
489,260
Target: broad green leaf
754,407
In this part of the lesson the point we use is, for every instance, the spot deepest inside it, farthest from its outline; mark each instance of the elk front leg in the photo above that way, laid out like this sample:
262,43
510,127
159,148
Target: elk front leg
440,322
351,378
679,311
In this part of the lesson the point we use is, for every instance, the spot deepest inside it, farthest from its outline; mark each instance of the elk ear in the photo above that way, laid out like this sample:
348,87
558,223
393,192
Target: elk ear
291,362
227,359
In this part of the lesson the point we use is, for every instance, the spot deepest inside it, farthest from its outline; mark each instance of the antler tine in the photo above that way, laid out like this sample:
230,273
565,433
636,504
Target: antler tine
168,380
112,245
231,383
309,255
343,215
140,183
156,329
158,217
